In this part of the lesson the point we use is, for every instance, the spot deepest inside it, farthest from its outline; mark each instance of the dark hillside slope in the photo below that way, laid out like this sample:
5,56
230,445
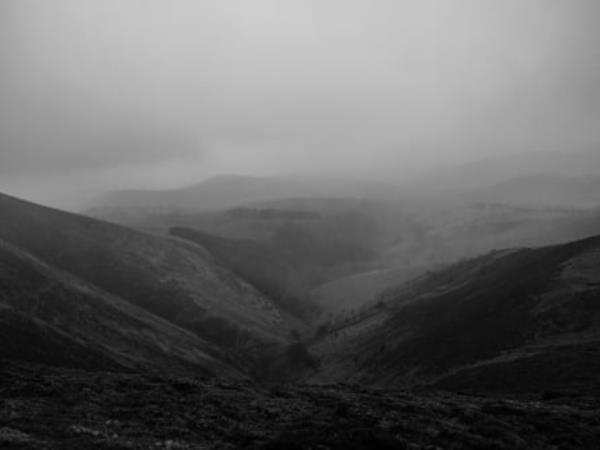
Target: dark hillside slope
52,317
280,276
535,309
175,280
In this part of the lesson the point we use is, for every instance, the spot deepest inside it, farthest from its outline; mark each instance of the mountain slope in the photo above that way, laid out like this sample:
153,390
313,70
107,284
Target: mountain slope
52,317
280,276
177,281
357,291
503,308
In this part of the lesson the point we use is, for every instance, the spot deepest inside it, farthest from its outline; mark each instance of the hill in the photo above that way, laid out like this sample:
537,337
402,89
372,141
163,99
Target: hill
228,191
490,171
49,316
357,291
543,190
281,276
177,281
520,320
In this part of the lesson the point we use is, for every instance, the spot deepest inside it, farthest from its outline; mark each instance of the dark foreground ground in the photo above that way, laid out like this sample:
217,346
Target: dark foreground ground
45,408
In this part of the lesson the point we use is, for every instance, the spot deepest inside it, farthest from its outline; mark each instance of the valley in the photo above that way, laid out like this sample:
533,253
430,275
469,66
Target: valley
377,315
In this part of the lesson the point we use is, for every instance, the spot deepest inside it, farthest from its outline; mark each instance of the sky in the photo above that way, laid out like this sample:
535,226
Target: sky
97,95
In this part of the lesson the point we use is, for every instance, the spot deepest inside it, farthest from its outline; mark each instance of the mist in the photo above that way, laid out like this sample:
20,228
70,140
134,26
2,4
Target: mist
98,95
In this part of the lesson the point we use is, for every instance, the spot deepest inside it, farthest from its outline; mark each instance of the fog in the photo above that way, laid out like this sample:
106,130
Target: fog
121,93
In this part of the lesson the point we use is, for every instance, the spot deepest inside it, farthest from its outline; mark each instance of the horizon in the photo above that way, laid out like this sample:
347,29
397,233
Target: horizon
83,199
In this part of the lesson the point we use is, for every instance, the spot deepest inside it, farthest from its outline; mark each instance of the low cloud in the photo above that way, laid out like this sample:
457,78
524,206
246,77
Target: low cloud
356,86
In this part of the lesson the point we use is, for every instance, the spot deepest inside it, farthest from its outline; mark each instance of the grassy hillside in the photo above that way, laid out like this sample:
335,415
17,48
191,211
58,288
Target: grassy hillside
177,281
513,307
359,290
49,316
281,276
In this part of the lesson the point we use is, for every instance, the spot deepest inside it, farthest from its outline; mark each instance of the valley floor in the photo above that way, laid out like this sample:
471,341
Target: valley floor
50,408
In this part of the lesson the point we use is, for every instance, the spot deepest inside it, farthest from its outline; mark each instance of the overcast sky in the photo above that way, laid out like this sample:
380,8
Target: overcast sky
152,93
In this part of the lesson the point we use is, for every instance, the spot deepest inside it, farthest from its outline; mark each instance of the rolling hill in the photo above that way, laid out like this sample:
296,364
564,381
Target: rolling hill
175,281
514,320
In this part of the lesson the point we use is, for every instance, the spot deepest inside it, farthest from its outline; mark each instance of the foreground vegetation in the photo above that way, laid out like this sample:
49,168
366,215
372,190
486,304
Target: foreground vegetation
50,408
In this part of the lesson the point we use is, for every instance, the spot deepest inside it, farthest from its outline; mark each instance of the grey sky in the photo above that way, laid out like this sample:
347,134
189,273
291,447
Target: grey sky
156,93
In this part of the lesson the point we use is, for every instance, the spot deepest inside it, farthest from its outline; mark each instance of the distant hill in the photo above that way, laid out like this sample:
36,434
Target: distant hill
511,321
177,281
491,171
228,191
543,190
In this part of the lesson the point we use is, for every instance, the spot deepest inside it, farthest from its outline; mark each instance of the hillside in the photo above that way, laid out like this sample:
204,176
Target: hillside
456,230
49,316
177,281
358,290
525,319
281,276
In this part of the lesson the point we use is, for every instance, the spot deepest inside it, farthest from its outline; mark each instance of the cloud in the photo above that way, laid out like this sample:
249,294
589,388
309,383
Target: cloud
60,137
277,86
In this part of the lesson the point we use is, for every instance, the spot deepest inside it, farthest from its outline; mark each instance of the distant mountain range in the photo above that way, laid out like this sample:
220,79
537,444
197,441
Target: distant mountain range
227,191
